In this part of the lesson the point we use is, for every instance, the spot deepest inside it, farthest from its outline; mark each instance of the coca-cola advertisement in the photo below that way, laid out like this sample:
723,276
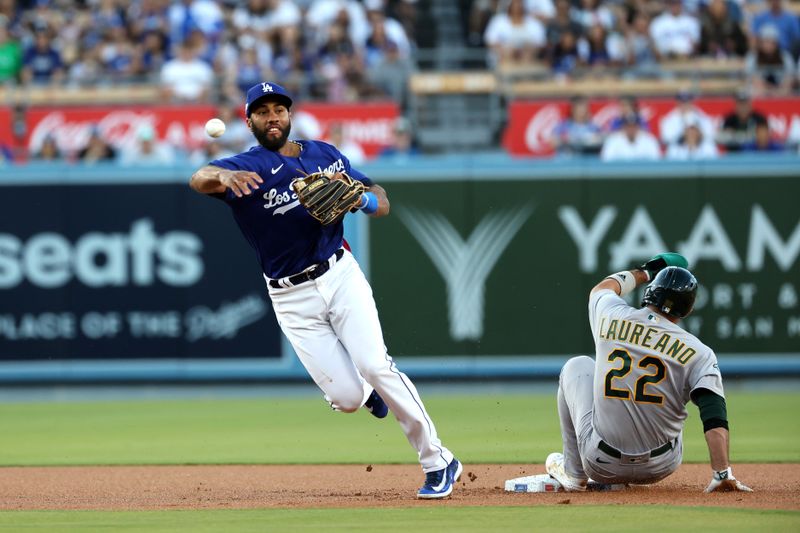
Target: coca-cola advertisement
369,125
6,130
71,127
532,123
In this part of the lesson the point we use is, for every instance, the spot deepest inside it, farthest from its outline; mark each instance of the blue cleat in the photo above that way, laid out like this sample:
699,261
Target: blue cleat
376,405
439,483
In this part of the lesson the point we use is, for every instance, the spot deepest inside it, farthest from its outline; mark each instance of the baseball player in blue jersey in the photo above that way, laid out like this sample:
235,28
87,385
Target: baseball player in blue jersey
322,300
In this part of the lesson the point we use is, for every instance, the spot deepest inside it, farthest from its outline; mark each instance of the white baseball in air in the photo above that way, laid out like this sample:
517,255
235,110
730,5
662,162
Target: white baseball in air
215,127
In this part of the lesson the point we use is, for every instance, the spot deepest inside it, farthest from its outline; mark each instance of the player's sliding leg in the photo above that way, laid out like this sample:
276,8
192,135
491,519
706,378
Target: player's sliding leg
575,405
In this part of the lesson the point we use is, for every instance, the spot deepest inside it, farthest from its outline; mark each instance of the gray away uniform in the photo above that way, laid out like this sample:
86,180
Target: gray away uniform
622,415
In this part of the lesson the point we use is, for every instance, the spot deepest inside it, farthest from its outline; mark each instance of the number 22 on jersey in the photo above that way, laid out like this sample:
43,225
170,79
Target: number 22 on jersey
655,372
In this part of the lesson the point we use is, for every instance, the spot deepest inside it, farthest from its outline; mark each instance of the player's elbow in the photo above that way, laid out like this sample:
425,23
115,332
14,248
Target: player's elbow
385,207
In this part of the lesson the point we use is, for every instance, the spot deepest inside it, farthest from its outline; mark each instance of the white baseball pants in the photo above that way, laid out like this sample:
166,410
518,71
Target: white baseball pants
582,457
333,325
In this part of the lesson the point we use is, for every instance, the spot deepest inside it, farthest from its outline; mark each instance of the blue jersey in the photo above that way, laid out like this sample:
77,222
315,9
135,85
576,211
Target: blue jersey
287,240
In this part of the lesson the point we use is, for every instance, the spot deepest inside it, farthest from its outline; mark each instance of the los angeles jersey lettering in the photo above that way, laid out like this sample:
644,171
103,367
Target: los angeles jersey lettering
286,239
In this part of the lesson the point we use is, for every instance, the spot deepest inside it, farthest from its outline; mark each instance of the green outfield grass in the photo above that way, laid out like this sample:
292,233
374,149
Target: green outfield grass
481,428
437,518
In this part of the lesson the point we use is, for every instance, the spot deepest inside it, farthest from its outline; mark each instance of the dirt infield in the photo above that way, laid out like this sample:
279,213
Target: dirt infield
306,486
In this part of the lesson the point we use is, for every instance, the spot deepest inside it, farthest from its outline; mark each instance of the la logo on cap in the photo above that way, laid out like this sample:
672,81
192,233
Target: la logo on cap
266,87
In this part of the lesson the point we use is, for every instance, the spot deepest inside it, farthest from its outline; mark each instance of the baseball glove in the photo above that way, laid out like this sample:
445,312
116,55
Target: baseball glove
327,197
661,261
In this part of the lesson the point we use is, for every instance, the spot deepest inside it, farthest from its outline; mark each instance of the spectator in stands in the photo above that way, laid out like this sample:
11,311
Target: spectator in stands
600,50
514,36
560,23
763,142
639,50
480,12
739,126
10,56
770,69
106,16
48,151
186,78
720,34
386,37
209,151
340,64
577,134
692,146
6,154
185,16
96,149
266,20
391,30
10,13
544,10
388,70
238,137
204,48
786,23
147,150
630,143
405,12
590,13
676,34
249,68
628,105
151,53
118,55
349,148
403,146
87,69
40,15
322,14
147,17
673,124
42,63
564,58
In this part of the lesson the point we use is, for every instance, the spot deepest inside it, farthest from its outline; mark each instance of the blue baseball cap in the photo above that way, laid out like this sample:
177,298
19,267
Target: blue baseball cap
266,90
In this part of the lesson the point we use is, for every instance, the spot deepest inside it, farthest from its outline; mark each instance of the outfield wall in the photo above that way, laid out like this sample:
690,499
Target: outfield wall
110,274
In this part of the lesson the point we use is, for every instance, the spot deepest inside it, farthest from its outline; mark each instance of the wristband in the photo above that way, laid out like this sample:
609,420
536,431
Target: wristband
722,475
369,203
626,280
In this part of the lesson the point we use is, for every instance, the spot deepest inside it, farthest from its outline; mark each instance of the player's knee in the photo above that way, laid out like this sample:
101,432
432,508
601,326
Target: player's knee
348,403
373,372
578,366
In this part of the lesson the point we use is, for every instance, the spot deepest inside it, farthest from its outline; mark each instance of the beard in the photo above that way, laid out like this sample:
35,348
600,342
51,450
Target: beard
274,143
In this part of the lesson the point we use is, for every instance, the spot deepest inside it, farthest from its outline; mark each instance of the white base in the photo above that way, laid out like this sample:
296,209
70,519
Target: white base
544,483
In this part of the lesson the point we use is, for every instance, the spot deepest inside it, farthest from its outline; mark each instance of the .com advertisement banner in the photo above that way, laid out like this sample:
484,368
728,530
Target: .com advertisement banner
127,271
531,123
504,268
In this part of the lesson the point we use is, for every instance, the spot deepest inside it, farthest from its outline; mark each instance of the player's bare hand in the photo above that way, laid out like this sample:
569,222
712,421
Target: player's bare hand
724,481
240,182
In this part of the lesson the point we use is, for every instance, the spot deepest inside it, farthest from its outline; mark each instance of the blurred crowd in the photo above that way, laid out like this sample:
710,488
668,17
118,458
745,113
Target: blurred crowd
211,51
686,132
630,38
334,50
349,50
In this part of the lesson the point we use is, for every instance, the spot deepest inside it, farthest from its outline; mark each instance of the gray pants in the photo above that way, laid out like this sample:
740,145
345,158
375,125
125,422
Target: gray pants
582,457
